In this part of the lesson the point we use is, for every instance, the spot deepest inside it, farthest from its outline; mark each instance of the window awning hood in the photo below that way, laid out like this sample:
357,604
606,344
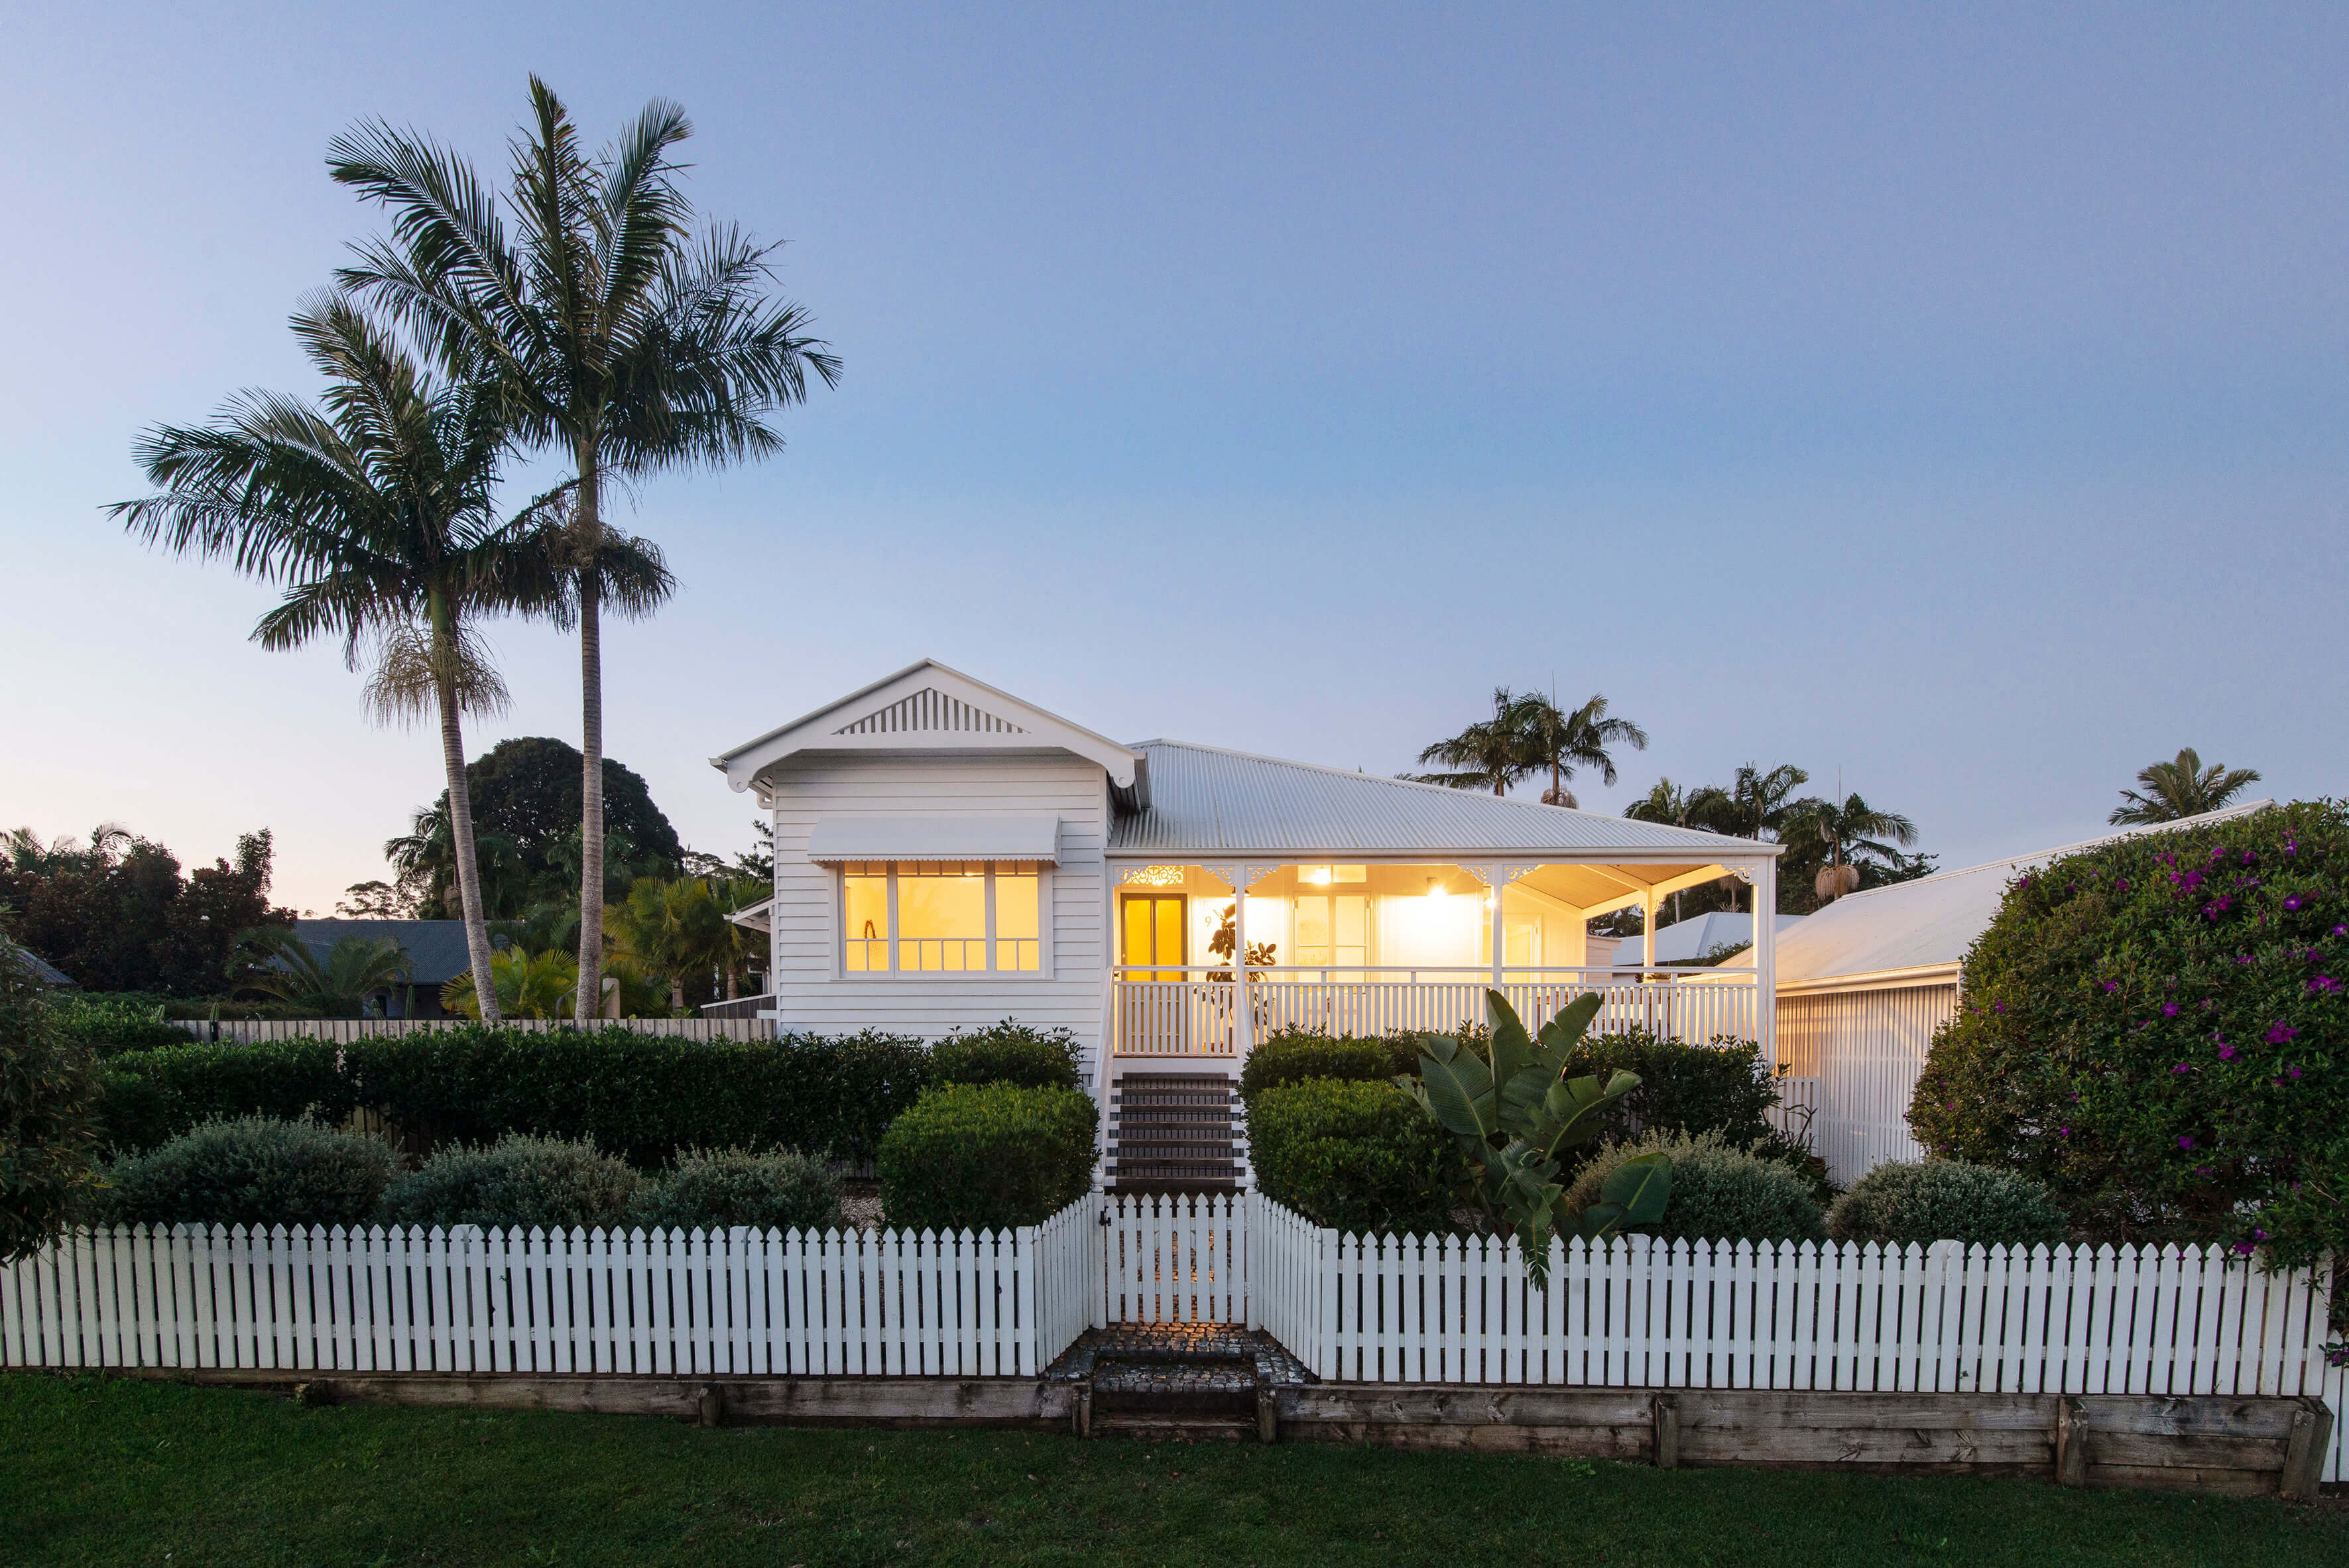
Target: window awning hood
935,837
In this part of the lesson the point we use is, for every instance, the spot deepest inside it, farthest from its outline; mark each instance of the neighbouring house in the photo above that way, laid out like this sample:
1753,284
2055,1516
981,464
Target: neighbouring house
947,854
436,955
47,973
1863,985
1692,940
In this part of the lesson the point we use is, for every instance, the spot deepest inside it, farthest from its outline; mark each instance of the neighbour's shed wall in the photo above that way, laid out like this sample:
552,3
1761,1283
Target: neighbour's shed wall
809,994
1865,1050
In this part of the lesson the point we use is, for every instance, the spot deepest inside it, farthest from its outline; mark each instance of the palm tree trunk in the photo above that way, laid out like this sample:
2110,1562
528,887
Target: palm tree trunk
590,996
460,819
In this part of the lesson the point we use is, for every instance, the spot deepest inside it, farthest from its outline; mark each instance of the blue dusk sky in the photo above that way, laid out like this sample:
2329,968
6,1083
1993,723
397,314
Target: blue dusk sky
1949,396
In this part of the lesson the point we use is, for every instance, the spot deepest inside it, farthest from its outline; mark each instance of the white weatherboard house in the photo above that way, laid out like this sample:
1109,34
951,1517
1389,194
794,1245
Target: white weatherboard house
1863,984
948,855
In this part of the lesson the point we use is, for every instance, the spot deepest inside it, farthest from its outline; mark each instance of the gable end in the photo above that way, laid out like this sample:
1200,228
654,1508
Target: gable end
930,710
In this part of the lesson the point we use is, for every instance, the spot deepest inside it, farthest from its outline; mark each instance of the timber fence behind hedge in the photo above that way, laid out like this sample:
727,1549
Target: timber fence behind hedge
343,1031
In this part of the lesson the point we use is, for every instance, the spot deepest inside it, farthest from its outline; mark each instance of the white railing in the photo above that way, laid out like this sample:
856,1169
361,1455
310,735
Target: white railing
1639,1312
1182,1013
741,1302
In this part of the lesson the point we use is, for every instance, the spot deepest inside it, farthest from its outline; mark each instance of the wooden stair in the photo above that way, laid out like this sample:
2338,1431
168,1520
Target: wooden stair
1174,1132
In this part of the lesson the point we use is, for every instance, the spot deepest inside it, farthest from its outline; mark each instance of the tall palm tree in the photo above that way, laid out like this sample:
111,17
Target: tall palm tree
377,515
2183,788
1759,802
1845,832
612,337
1562,741
1491,753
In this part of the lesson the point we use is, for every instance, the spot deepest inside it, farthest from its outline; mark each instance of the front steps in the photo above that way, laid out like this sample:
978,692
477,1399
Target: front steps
1175,1132
1176,1382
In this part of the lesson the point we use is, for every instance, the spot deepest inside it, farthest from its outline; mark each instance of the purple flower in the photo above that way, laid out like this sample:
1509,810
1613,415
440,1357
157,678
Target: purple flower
2064,1131
2169,1009
2182,1068
2324,983
2111,986
2249,857
2184,1141
2226,1052
2281,1033
2291,846
2120,884
2245,959
1998,1007
2340,930
2245,1248
2294,1072
2292,902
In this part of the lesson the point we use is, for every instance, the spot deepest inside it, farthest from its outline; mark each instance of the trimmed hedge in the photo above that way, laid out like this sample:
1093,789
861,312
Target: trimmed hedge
987,1157
252,1170
151,1096
1718,1191
777,1190
110,1025
1008,1052
642,1096
1357,1156
1293,1056
1947,1200
515,1182
1717,1088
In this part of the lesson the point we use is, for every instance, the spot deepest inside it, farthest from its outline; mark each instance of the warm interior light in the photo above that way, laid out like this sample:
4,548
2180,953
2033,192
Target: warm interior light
1490,899
1434,888
1318,875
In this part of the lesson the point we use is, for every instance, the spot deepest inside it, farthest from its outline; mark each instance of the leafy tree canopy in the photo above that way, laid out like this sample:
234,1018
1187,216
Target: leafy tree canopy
118,915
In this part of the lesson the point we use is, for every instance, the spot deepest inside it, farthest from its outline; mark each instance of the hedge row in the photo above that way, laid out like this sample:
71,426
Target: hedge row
641,1097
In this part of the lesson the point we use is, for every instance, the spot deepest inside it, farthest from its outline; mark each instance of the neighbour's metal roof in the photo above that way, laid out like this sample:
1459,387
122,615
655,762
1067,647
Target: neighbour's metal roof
1929,922
1686,941
435,948
1206,799
46,972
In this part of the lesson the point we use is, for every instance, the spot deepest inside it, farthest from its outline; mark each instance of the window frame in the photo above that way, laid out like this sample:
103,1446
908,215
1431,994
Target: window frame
840,874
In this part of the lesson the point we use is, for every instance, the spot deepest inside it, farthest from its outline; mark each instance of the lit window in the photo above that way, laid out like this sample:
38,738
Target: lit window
916,917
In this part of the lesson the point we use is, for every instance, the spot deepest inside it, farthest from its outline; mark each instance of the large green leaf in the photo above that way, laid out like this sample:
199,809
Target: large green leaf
1640,1187
1513,1048
1565,1031
1459,1095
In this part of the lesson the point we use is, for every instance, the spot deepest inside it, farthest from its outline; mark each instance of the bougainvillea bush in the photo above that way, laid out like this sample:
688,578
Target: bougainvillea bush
2157,1030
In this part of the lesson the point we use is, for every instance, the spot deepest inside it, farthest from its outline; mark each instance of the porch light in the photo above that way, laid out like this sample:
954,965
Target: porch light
1434,888
1318,875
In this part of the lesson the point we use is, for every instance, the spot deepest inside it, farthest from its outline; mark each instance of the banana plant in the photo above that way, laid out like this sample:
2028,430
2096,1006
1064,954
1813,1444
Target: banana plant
1516,1113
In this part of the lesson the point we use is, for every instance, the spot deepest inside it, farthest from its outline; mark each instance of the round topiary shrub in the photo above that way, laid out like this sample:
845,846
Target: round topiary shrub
1290,1057
987,1157
250,1171
1946,1200
2157,1031
1360,1156
1719,1190
777,1190
515,1183
1008,1052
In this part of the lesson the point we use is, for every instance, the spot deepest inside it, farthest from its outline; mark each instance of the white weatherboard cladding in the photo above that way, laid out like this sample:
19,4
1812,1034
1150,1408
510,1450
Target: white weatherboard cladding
1865,1050
922,836
811,994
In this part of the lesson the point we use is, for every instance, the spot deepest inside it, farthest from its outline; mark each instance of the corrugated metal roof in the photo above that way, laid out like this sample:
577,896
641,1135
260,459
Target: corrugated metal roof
1205,800
46,972
1931,921
1686,941
435,948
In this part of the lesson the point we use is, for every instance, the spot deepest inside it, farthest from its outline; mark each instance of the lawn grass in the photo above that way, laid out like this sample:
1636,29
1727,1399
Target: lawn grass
103,1470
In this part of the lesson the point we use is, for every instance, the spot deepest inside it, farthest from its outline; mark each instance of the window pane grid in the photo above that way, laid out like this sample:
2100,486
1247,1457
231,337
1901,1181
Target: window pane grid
941,917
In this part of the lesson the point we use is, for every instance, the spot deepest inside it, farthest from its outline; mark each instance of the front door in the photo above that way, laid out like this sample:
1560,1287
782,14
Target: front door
1153,1019
1153,935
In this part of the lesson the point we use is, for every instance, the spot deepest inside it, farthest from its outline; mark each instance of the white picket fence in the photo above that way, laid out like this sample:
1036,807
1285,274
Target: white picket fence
1631,1312
741,1303
1640,1313
343,1031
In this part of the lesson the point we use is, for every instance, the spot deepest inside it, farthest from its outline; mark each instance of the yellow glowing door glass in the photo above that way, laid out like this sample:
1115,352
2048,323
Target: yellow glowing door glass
1153,934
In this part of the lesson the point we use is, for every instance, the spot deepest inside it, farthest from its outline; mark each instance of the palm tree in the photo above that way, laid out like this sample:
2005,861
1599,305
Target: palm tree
672,928
336,986
376,513
2183,788
611,337
1562,741
1706,806
1854,828
1761,802
1492,752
